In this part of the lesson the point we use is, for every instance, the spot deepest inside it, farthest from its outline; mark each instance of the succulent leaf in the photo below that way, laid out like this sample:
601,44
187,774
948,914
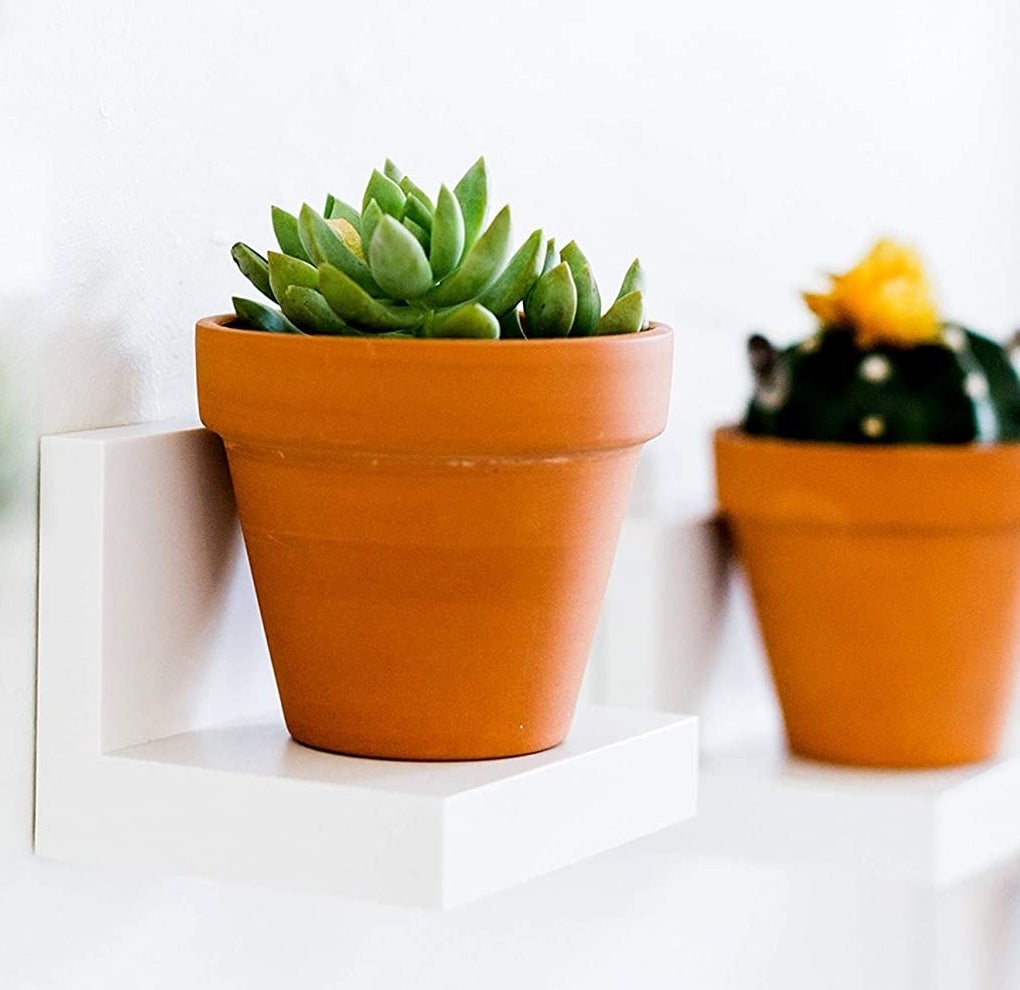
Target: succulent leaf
469,320
253,267
262,317
410,189
510,325
417,211
472,193
392,172
589,303
481,265
339,210
421,235
285,271
551,306
285,226
323,243
369,218
518,277
310,311
626,315
633,281
356,307
447,235
397,261
550,256
387,194
347,232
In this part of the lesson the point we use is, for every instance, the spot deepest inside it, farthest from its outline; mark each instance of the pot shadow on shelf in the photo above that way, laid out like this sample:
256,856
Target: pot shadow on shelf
677,632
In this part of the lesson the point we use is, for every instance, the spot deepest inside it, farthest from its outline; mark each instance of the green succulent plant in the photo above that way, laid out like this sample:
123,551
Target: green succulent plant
403,265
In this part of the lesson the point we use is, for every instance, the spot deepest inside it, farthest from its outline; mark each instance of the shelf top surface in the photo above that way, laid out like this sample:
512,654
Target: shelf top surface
264,748
773,765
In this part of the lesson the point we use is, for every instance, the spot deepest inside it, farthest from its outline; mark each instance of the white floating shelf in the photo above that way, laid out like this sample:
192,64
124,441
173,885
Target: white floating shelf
933,828
155,752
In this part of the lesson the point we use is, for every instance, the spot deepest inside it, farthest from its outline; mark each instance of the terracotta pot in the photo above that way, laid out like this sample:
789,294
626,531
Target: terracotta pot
430,524
887,586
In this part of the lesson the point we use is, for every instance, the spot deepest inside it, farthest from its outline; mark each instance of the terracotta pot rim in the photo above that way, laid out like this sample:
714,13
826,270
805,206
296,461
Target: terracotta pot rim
450,398
920,487
221,322
735,436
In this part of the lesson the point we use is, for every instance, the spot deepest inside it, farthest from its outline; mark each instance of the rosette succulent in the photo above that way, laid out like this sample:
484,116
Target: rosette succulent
405,265
883,367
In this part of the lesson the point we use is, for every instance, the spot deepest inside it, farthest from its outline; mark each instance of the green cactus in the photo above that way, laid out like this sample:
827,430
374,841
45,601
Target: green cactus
883,367
959,388
403,266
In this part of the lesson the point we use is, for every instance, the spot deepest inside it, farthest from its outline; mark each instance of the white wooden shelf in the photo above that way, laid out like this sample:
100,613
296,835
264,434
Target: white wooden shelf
932,828
678,633
155,749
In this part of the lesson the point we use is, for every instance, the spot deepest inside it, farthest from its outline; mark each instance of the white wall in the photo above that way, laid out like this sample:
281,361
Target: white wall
738,146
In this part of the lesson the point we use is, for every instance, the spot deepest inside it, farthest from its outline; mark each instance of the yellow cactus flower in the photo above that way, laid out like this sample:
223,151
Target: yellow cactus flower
886,298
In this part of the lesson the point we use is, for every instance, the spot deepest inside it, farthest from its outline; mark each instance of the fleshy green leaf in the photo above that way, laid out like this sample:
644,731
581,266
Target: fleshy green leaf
253,267
261,317
323,243
397,261
510,325
285,226
338,209
633,281
417,211
369,218
626,315
589,303
285,271
357,308
551,305
387,194
421,235
518,277
472,193
392,172
480,267
410,189
550,256
447,235
309,310
469,320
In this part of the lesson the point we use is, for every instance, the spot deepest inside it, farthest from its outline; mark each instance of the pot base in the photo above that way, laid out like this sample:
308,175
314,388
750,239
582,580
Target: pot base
400,753
880,757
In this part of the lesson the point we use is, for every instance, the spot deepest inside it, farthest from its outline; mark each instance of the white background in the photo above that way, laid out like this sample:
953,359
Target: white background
739,147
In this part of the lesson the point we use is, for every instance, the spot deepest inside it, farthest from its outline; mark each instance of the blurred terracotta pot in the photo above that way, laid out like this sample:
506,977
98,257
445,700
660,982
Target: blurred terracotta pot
887,586
430,524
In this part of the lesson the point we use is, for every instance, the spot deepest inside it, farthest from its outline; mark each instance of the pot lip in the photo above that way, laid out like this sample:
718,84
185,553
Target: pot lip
896,487
733,437
656,330
451,397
